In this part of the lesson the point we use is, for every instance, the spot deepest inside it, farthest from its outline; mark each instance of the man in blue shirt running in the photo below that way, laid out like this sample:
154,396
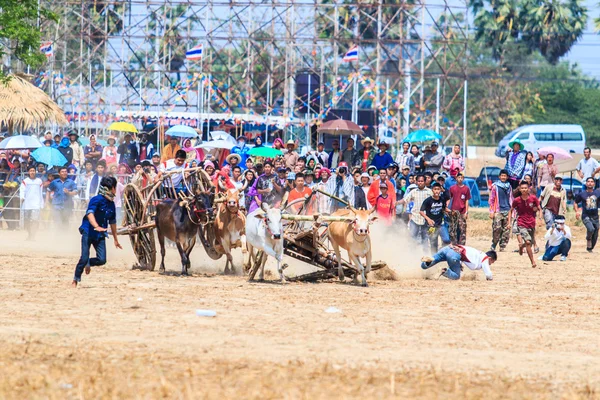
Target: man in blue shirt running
100,213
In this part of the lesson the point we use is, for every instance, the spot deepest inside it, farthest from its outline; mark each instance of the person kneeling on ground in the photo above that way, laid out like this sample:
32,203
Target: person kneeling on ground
100,213
454,255
558,240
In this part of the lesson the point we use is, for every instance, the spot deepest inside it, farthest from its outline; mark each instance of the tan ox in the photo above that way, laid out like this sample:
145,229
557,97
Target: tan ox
352,235
229,227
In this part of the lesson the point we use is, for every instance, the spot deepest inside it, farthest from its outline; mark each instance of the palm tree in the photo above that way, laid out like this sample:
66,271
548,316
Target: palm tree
497,24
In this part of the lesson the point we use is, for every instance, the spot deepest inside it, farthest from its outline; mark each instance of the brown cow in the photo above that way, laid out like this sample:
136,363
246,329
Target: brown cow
352,235
229,226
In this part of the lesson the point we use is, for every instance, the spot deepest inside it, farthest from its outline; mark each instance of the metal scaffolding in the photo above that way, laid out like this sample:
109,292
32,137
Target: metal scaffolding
115,56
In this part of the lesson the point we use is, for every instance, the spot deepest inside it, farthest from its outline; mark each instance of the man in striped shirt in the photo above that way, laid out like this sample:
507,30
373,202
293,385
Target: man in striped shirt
418,226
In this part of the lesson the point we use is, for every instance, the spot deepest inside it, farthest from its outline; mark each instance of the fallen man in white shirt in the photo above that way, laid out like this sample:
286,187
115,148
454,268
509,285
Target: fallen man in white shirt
454,255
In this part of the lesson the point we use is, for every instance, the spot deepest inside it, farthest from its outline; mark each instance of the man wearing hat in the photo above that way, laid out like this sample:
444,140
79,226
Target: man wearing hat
383,158
233,160
145,148
291,156
242,150
366,154
515,162
554,201
78,155
558,240
406,159
433,160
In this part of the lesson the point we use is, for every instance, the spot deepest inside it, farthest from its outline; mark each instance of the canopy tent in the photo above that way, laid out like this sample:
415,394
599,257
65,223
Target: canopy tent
24,106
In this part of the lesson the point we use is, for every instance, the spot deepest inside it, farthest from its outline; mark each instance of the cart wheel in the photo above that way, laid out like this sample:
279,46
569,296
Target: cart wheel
135,214
208,239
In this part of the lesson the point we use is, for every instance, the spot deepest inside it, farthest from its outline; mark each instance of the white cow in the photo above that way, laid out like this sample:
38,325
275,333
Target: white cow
264,231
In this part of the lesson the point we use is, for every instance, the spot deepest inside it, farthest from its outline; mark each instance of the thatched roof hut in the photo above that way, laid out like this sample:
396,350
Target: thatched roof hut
24,106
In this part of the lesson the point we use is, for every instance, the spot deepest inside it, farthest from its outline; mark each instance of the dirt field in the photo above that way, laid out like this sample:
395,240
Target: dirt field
132,334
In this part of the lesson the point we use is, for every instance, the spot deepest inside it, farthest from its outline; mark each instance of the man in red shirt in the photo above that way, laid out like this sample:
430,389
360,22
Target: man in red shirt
460,194
527,207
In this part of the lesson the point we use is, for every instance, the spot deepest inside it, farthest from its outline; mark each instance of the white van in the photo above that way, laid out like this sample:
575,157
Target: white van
568,137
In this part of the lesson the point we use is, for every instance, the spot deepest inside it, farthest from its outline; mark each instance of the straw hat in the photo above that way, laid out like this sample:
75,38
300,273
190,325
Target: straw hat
231,156
367,139
291,142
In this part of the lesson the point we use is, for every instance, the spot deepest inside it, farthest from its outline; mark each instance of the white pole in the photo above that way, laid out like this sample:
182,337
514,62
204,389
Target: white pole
308,113
268,108
465,121
437,107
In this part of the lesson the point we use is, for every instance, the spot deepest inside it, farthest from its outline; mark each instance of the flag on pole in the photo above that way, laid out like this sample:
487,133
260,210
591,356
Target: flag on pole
195,53
46,48
352,54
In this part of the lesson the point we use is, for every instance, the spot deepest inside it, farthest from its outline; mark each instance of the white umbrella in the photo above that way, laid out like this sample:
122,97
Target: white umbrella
216,144
20,142
221,135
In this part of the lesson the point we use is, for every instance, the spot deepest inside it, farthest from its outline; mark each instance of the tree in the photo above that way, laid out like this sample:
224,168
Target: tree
20,33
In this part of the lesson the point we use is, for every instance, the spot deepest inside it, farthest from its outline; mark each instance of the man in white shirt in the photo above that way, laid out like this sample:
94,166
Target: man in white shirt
588,166
558,239
454,255
321,154
32,201
173,165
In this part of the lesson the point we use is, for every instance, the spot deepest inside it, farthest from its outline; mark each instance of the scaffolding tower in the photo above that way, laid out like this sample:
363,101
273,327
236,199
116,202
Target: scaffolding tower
111,57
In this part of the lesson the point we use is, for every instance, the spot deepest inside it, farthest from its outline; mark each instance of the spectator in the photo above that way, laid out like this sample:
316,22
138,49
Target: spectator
299,192
374,191
233,160
62,189
406,159
526,207
500,202
361,188
554,201
417,225
190,151
312,162
264,190
57,139
168,151
309,178
546,173
459,210
146,148
66,150
515,162
558,240
433,209
382,159
384,206
588,167
93,151
128,152
248,182
432,161
365,155
258,142
321,155
322,201
94,182
349,155
32,200
454,163
110,152
155,160
249,163
529,166
242,150
278,144
414,150
335,156
589,211
291,156
78,156
342,186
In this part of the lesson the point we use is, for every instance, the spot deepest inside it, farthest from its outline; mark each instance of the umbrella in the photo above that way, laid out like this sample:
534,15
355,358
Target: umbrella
340,127
20,142
267,152
49,156
220,135
123,127
86,141
559,154
182,131
216,144
422,135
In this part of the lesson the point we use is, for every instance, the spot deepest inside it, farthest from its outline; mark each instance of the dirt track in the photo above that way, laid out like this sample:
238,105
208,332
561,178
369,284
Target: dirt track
123,333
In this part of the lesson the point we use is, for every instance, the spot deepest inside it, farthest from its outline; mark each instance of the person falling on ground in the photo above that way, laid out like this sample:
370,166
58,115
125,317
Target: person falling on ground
527,207
454,255
99,215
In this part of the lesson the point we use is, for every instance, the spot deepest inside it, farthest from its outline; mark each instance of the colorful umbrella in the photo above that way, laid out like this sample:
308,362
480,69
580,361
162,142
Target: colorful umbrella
422,135
20,142
267,152
123,127
49,156
182,131
559,153
340,127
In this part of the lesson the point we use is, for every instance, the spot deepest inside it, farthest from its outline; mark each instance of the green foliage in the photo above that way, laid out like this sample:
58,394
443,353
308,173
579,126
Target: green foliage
19,33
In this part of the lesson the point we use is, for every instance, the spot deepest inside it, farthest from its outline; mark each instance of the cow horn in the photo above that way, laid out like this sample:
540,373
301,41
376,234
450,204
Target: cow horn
264,206
353,209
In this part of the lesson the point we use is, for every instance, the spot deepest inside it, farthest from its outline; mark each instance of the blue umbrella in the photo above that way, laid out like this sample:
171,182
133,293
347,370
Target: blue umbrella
422,135
181,131
49,156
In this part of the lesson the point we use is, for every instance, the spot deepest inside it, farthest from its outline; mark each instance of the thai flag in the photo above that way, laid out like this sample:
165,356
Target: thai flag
195,53
352,54
46,48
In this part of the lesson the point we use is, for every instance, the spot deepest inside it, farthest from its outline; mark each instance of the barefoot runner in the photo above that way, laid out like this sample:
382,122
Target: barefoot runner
100,213
527,207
